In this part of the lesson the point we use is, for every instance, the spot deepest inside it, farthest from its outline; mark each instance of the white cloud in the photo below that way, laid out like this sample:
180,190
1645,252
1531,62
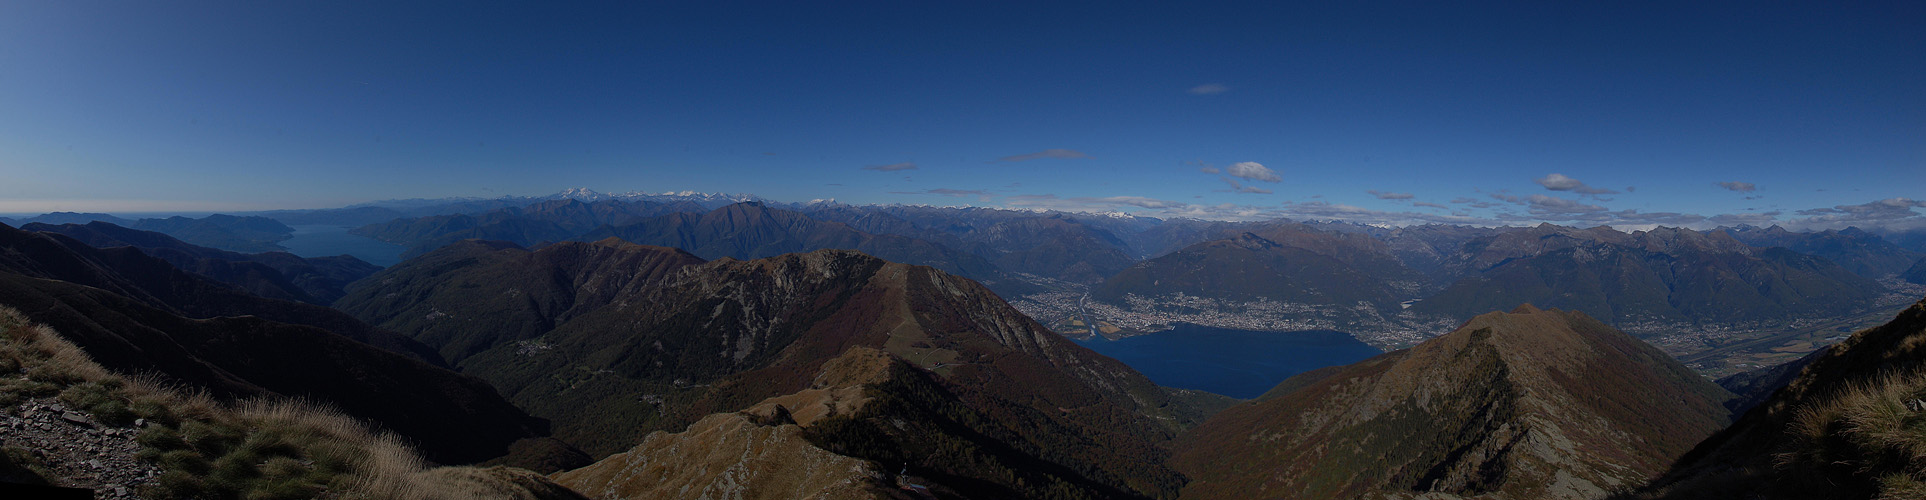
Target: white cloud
947,192
1253,171
1390,195
1559,182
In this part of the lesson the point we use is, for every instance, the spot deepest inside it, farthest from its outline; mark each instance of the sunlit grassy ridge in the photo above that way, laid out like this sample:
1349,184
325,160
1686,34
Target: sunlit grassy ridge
254,449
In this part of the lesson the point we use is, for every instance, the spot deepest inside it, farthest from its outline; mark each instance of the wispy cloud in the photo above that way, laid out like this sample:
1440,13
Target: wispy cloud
1743,187
1209,88
1882,210
892,167
1065,154
1429,204
1237,187
1559,182
1382,195
1550,205
947,192
1053,202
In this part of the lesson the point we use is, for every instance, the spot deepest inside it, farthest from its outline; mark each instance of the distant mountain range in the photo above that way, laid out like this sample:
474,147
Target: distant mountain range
252,234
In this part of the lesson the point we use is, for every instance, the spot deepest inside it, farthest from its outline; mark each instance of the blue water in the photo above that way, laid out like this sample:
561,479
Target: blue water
1236,363
329,240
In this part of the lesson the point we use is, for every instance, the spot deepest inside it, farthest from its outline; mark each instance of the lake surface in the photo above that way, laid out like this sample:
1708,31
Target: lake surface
327,240
1236,363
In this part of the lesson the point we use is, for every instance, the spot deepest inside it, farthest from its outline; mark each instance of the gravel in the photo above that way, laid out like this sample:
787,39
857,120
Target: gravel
79,451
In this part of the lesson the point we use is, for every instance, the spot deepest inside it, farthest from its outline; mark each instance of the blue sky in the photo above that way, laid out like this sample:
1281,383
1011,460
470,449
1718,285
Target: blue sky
1641,109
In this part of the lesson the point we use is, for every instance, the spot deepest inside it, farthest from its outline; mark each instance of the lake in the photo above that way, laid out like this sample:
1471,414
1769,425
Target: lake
327,240
1236,363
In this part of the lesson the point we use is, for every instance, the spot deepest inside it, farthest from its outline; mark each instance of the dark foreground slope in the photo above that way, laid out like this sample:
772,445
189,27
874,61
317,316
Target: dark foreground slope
456,419
1850,426
613,340
1526,404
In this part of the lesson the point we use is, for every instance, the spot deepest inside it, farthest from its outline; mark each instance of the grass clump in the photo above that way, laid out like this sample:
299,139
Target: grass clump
1870,438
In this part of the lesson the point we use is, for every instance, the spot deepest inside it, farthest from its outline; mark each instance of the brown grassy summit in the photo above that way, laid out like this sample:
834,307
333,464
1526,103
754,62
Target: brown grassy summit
758,453
1525,404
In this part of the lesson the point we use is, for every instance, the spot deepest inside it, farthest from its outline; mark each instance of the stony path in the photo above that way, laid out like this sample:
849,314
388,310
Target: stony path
81,452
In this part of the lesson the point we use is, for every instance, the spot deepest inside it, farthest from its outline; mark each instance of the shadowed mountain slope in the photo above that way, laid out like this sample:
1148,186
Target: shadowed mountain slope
1861,252
629,339
1915,274
129,272
1849,426
1526,404
751,230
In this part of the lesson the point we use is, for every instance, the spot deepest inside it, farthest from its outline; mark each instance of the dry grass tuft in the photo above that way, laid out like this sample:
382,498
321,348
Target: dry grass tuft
1872,432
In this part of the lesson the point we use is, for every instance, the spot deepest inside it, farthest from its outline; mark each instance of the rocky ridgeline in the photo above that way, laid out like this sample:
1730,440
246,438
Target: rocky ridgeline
77,450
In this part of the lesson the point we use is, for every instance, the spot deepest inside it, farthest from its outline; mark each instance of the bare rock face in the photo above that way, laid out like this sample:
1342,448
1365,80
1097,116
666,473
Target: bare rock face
1526,404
